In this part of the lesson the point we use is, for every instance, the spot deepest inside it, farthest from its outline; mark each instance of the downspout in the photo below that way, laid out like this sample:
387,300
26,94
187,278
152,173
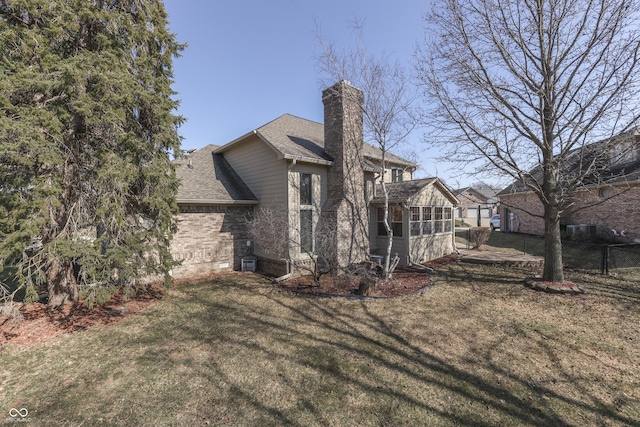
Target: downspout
455,248
286,276
415,264
453,235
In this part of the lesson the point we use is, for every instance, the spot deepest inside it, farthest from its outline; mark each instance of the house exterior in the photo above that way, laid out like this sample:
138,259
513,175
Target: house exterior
421,213
605,206
213,202
473,201
307,172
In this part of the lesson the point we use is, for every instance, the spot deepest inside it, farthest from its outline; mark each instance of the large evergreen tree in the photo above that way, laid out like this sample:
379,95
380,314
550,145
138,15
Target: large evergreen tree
87,132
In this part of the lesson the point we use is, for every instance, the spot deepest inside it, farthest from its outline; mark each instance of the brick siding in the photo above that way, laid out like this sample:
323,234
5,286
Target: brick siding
619,212
210,239
522,209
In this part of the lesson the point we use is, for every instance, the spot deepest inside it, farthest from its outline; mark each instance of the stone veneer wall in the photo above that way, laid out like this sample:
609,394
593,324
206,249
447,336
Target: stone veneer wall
346,205
277,268
210,239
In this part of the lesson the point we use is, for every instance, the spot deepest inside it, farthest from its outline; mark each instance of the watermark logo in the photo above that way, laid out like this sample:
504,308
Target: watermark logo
18,414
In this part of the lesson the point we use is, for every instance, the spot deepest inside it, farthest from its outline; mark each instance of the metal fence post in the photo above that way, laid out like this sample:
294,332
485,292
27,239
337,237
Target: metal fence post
605,259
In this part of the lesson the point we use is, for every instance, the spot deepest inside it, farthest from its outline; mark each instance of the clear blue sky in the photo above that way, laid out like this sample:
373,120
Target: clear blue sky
250,61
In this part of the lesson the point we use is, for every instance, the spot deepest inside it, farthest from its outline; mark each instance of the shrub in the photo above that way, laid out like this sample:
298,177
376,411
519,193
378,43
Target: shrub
479,236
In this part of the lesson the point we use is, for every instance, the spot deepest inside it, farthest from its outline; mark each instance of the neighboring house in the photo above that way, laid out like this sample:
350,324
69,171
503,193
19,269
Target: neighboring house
306,171
474,201
605,206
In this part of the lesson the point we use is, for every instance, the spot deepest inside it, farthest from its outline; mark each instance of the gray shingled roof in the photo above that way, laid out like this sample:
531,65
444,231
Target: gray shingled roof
296,138
489,194
609,174
206,177
403,191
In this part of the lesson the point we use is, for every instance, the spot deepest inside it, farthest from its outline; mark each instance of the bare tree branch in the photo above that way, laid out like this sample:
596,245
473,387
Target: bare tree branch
526,87
389,109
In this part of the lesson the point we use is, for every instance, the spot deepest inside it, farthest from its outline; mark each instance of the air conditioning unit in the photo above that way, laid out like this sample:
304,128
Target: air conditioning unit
378,259
572,229
249,264
588,230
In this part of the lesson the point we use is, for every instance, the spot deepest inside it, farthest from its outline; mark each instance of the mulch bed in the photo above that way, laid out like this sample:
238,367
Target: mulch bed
405,281
35,324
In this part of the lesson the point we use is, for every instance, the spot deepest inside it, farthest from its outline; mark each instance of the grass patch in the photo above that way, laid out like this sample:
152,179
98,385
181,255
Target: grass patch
623,260
477,349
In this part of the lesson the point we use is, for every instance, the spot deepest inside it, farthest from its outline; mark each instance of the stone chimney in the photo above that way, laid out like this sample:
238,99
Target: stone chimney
346,208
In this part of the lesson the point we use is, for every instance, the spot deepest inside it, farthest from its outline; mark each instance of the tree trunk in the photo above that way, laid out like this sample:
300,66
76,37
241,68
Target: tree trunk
387,225
553,269
62,284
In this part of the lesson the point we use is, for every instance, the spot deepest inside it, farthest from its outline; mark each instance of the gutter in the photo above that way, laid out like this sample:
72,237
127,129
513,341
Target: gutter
453,235
216,202
455,247
307,159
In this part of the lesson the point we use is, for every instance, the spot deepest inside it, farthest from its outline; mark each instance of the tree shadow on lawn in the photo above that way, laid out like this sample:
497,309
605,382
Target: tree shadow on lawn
613,289
258,356
484,279
354,349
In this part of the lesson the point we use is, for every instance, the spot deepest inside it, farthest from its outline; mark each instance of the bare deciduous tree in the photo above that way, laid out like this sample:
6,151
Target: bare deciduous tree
524,85
277,237
388,109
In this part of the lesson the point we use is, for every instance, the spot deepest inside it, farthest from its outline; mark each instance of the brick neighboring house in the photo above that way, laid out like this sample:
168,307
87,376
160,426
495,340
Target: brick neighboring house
305,170
473,199
606,206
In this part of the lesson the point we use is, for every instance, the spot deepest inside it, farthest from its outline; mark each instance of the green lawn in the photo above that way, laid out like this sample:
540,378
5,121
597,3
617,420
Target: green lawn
477,349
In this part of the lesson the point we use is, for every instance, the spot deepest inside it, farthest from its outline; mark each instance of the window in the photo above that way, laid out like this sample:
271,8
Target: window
306,213
305,189
415,213
306,231
396,175
438,223
447,220
396,221
427,224
415,225
395,218
427,220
